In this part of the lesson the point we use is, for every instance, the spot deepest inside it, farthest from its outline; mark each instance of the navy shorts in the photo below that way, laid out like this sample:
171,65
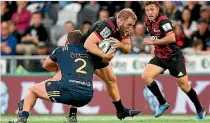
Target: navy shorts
97,62
175,65
58,92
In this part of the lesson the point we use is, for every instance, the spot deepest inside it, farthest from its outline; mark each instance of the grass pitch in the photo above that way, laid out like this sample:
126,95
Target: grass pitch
111,119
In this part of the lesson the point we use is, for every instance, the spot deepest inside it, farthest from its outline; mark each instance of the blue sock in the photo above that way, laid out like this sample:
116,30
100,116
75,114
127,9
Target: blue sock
24,114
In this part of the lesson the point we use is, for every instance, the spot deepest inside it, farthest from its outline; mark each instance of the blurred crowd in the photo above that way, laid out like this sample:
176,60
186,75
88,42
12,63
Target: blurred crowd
36,28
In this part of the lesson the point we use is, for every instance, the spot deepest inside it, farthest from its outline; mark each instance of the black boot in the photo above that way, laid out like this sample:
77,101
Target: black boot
127,113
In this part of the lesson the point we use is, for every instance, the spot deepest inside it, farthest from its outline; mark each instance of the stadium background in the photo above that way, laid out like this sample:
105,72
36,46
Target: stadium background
22,22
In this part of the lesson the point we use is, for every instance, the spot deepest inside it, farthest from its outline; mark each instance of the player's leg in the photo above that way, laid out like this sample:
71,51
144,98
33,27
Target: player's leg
38,91
73,110
180,74
191,93
154,68
108,76
34,92
72,117
57,76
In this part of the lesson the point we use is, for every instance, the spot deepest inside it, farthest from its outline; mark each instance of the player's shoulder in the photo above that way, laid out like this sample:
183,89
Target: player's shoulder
162,18
109,23
56,49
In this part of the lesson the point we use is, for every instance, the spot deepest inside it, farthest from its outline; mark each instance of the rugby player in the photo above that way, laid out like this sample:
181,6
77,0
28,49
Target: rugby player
119,29
167,56
76,72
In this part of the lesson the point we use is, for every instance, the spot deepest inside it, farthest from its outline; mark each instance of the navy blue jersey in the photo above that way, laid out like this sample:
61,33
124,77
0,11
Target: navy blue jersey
76,64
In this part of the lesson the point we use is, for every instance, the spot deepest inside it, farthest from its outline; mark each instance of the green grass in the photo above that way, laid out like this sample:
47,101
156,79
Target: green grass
111,119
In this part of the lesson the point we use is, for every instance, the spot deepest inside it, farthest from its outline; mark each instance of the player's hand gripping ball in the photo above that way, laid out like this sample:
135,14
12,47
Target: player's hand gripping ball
106,44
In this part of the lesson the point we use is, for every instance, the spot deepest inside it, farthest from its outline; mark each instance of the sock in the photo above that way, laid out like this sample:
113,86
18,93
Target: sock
20,107
119,106
194,98
24,114
73,111
153,87
20,104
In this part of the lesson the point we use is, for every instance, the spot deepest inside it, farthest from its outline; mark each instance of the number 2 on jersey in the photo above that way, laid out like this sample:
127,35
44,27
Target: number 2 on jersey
80,69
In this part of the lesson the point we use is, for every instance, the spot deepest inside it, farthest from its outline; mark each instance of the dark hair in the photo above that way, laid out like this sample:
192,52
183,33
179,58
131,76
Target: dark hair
74,37
139,22
38,12
104,9
151,2
178,25
86,22
197,42
190,21
4,22
7,4
11,22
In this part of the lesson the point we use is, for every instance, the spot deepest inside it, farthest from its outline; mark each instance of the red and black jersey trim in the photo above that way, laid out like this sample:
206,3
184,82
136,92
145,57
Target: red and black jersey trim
111,24
98,35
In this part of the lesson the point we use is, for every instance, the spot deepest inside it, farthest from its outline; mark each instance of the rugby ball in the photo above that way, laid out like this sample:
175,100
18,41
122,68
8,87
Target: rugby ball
105,45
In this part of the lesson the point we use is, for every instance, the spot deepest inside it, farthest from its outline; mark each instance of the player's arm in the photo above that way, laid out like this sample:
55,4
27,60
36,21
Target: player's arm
166,27
50,62
126,47
169,38
91,43
50,65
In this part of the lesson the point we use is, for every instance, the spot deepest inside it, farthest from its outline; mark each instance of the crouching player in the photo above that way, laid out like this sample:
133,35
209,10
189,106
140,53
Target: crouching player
75,87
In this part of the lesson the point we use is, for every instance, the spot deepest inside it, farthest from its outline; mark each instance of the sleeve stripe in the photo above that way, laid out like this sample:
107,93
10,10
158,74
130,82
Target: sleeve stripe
98,35
111,24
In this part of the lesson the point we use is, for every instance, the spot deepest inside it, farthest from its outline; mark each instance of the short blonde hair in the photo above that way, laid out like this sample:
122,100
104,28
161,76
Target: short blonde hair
126,13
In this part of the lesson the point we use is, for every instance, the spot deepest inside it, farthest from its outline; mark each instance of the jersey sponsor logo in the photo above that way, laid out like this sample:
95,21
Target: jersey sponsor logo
167,27
154,37
155,30
105,33
48,83
180,74
88,84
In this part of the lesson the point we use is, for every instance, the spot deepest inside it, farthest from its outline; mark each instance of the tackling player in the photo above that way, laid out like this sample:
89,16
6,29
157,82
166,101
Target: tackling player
167,56
119,28
75,88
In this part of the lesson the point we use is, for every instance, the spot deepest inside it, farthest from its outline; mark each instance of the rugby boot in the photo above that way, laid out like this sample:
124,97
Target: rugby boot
201,114
162,109
127,113
71,119
18,120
